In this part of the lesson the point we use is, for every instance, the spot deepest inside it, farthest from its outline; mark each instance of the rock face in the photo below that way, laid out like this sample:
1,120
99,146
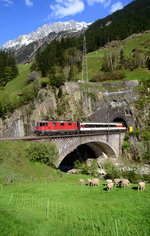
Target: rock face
73,101
68,103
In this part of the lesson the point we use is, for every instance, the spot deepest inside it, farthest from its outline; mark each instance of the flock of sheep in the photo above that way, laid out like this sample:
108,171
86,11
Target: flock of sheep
110,183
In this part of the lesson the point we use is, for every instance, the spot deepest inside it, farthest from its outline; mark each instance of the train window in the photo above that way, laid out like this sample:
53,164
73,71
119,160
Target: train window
54,124
41,124
62,124
69,124
45,124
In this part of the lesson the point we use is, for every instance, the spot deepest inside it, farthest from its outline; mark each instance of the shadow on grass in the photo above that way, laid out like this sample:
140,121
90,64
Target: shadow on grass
135,188
105,189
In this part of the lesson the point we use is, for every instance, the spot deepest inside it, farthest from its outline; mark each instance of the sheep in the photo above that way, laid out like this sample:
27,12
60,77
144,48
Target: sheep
93,182
117,181
108,181
81,181
141,185
125,183
110,186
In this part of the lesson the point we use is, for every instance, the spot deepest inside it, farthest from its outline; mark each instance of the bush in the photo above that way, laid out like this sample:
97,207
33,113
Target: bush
87,169
111,170
32,77
56,80
105,76
132,176
126,145
42,152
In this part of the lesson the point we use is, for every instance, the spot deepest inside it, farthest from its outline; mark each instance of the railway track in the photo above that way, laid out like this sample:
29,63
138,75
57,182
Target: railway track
50,137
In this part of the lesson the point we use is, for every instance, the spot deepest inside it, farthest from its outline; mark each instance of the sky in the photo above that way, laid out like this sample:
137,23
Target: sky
19,17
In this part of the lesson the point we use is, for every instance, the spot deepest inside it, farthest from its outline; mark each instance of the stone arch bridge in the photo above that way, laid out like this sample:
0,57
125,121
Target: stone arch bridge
101,144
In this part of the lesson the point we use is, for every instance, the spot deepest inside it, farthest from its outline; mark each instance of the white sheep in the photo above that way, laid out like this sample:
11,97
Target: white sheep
81,181
117,181
125,183
109,181
94,182
141,185
110,186
89,182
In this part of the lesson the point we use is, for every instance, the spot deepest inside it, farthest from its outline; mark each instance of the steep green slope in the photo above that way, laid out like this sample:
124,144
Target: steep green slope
131,19
15,165
137,44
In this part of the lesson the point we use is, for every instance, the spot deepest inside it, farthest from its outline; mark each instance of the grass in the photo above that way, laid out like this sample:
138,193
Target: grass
15,164
16,85
53,203
137,41
62,207
140,74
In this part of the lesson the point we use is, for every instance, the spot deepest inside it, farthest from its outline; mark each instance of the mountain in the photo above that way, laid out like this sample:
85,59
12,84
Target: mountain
133,18
45,30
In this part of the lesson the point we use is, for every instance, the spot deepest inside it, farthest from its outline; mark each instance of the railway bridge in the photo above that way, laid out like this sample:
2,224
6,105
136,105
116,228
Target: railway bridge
101,144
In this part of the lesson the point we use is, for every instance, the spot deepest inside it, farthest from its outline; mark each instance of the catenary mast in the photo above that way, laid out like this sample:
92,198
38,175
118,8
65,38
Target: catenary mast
84,62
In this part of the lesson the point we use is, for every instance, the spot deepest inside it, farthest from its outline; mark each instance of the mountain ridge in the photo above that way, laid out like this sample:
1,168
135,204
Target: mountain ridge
44,31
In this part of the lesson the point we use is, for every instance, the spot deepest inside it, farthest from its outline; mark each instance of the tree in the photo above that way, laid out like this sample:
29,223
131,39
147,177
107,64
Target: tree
148,63
8,67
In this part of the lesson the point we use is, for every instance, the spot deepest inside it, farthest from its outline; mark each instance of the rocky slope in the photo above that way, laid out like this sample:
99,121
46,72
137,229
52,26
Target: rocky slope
73,101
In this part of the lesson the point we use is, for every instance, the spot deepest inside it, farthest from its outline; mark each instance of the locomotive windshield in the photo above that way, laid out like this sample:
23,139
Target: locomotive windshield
42,124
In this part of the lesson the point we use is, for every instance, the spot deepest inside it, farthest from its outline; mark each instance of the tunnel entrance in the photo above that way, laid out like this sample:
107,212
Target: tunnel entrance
120,120
81,153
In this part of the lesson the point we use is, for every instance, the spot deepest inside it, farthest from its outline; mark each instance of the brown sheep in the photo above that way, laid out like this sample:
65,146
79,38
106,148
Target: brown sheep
81,181
141,185
110,186
125,183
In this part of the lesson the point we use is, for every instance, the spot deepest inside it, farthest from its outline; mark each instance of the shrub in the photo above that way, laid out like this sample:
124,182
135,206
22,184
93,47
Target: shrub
42,152
87,169
32,77
56,80
111,170
126,145
105,76
132,176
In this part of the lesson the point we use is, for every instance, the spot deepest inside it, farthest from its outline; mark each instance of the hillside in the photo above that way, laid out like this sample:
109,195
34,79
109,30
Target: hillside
138,43
133,18
19,92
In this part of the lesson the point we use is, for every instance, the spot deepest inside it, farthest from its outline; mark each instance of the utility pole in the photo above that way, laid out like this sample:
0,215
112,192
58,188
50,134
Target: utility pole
84,62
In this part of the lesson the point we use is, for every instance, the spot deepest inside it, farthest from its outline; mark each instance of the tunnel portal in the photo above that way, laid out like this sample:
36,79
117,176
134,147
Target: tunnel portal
120,120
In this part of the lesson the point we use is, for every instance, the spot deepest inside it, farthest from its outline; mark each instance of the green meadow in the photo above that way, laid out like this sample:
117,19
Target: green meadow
44,201
63,207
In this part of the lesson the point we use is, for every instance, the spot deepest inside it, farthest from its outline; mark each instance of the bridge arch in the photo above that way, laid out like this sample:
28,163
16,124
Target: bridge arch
100,149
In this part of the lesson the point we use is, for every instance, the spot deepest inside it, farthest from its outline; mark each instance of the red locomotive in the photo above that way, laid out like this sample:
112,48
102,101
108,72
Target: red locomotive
69,127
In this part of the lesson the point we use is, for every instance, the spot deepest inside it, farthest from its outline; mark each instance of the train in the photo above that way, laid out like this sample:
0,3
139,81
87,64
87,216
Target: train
74,127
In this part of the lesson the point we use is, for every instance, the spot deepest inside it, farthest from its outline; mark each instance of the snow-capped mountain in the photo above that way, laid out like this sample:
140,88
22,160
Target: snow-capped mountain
45,30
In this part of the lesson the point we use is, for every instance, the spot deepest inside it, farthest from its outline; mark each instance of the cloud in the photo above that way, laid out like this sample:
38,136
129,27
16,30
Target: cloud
116,6
92,2
7,3
107,3
28,3
64,8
